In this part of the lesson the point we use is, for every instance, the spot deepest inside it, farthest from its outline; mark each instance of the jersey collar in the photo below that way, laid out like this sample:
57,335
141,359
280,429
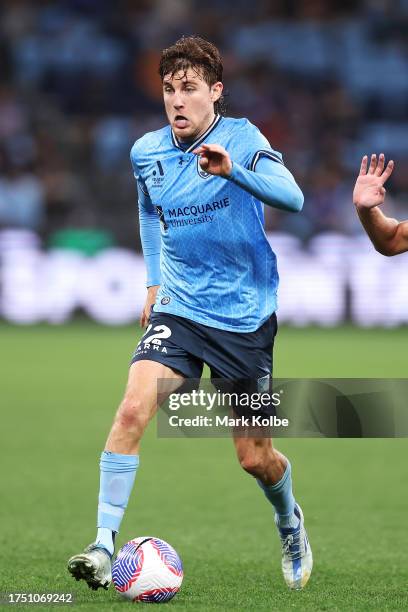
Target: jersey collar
199,140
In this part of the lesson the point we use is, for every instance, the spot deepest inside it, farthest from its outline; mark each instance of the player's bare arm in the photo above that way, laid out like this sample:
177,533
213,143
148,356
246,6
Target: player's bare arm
389,236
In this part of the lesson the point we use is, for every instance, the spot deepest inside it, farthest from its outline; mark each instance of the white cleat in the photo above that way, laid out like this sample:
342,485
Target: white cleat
94,566
297,559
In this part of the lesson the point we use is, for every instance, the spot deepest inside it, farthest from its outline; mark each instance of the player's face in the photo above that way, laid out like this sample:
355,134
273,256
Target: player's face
189,103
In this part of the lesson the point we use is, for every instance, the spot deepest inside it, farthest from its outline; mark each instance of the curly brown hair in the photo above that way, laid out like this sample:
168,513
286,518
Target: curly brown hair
196,53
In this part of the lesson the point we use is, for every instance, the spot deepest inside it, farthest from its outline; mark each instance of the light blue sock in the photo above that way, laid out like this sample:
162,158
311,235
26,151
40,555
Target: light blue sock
281,497
116,481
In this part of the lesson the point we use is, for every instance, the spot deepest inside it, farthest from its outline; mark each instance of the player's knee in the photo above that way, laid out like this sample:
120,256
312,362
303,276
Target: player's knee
131,414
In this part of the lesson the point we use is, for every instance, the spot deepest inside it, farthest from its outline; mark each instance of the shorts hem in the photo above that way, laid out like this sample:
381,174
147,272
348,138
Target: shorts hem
158,360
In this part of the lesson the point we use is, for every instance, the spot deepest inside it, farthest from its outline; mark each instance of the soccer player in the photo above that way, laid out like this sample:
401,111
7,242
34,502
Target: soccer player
389,236
212,281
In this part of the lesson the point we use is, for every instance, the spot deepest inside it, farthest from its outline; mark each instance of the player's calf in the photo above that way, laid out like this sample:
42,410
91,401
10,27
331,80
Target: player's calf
259,459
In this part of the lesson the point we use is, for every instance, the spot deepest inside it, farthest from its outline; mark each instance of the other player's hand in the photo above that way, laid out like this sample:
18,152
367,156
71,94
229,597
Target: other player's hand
369,188
150,300
214,159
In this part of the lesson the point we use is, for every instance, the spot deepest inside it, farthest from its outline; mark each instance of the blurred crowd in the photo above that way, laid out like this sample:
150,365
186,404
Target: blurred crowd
326,81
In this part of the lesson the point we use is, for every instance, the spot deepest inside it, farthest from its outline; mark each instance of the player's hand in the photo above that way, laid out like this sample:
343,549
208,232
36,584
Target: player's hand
214,159
369,188
150,300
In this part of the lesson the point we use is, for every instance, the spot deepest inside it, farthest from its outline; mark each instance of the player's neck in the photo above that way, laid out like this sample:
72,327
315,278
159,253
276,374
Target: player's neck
203,128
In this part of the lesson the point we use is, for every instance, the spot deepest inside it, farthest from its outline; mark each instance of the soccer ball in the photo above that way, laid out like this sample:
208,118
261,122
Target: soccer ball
147,569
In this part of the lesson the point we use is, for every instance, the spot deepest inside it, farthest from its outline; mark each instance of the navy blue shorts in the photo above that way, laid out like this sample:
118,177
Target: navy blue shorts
245,359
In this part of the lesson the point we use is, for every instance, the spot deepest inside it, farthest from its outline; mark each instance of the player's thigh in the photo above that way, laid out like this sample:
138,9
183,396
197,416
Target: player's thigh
149,384
242,362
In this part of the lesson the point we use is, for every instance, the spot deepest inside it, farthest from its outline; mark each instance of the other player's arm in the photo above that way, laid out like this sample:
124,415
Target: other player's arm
271,183
387,235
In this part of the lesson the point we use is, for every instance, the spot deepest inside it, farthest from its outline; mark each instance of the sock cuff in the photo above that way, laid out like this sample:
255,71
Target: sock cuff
116,462
278,486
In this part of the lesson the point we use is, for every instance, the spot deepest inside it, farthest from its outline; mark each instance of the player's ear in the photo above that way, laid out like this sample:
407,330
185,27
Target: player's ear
216,91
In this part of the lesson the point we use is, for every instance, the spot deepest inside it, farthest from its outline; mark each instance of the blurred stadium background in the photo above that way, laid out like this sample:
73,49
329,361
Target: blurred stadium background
326,81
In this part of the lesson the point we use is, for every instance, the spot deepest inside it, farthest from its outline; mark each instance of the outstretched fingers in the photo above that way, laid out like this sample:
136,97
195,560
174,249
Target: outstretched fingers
373,164
363,167
380,165
377,168
388,171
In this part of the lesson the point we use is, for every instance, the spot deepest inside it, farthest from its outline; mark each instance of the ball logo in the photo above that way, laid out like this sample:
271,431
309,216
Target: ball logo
165,300
202,173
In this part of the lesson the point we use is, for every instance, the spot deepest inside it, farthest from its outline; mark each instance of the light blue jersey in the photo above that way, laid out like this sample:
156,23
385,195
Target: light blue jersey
216,265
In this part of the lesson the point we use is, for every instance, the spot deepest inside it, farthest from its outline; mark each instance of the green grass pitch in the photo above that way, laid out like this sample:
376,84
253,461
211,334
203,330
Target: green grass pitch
59,387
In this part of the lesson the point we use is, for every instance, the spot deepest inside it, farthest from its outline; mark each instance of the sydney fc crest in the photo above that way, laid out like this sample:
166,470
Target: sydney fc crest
200,171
